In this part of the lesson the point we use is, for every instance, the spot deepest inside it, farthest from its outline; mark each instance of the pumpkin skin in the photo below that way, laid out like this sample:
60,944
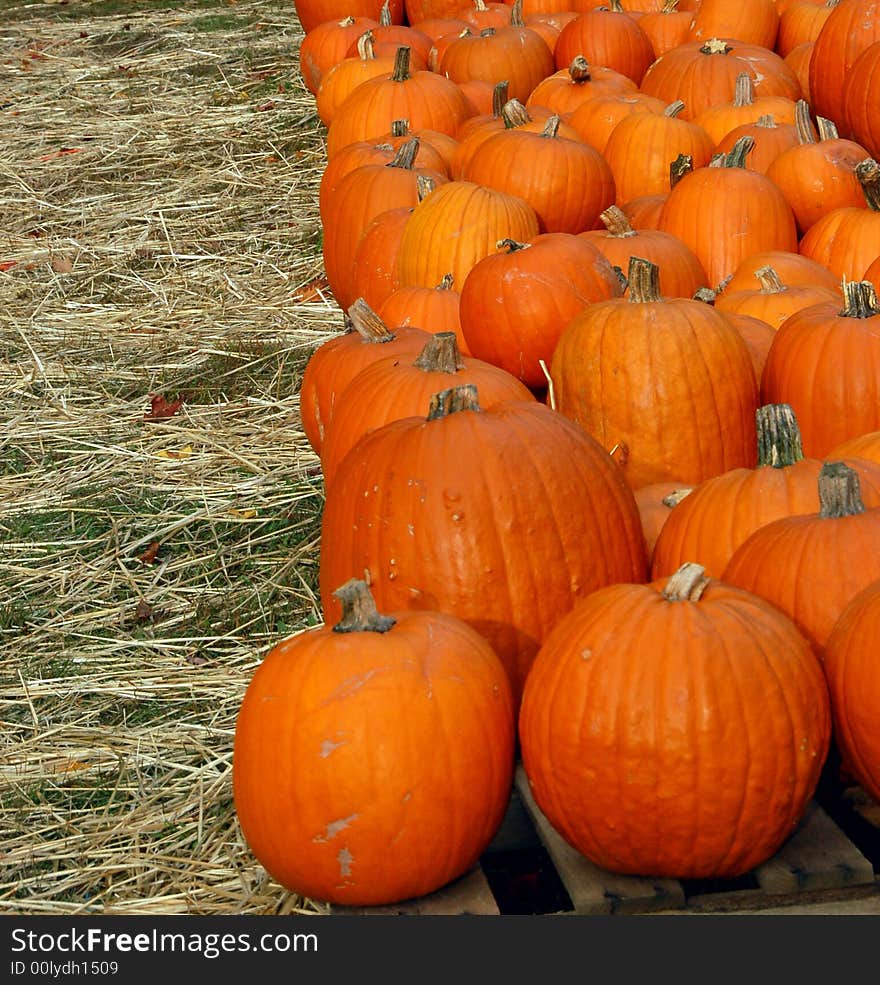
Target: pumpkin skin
471,513
860,99
655,503
850,662
791,267
516,302
669,379
773,301
826,363
596,119
327,45
811,566
348,743
606,37
311,13
566,90
436,309
751,21
653,731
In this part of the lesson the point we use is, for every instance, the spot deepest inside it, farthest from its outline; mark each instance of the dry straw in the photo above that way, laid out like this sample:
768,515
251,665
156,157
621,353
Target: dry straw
159,236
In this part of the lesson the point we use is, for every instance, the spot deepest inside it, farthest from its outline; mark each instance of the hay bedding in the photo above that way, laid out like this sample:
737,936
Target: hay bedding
159,166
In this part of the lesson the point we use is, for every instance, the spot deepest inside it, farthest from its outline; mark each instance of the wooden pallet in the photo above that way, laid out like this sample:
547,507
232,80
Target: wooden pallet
818,869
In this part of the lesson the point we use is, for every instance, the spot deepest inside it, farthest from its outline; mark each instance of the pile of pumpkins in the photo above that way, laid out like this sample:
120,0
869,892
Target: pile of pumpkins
600,440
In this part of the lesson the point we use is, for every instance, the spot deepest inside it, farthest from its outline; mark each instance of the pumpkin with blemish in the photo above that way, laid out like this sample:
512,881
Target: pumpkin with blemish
349,743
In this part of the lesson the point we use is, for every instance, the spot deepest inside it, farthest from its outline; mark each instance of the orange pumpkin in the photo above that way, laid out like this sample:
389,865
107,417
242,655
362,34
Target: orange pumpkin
656,720
351,738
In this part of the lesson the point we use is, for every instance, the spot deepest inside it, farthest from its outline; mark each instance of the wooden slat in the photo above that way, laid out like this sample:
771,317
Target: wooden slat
817,856
593,890
468,895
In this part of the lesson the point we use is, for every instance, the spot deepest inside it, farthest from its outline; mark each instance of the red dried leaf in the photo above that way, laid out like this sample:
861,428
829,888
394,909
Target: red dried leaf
312,291
7,264
160,408
149,555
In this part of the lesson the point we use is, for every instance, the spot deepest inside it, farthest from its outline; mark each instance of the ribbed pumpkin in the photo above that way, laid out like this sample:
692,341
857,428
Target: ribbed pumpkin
668,380
861,113
818,176
825,362
792,268
503,517
746,106
436,309
681,273
812,566
641,146
609,37
722,512
389,36
566,90
847,240
853,676
800,23
770,140
676,729
702,75
566,182
341,79
667,27
751,21
327,45
351,739
655,503
773,301
798,60
424,98
337,361
516,302
393,388
758,337
596,119
311,13
725,213
455,227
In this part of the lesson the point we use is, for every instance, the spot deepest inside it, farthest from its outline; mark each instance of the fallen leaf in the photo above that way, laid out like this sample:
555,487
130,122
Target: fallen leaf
312,291
61,265
184,452
149,555
263,107
244,514
144,611
160,408
59,153
7,264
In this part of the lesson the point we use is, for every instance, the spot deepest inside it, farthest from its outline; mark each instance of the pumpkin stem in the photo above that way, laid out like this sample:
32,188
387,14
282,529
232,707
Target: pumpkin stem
744,94
669,6
860,298
687,584
399,128
765,121
736,156
453,400
440,355
516,14
579,70
511,245
705,294
446,282
367,323
678,168
425,185
406,155
551,127
677,495
487,32
400,73
779,437
514,114
868,173
839,493
644,281
365,47
827,129
803,124
769,281
500,96
715,46
385,14
616,222
673,109
359,612
346,21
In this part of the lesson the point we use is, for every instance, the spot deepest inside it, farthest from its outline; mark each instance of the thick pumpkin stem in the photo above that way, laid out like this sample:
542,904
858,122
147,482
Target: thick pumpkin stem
365,47
744,93
500,95
839,493
736,156
677,495
446,282
868,173
705,294
715,46
769,281
440,355
385,14
803,124
673,109
861,299
406,155
579,70
678,168
514,114
669,6
516,14
400,72
644,281
367,323
453,400
425,185
687,584
399,128
616,222
346,21
359,612
779,437
511,245
551,127
766,121
488,32
827,129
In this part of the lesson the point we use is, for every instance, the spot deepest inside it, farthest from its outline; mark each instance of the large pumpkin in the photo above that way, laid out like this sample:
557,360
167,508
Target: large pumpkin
503,517
676,729
373,759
